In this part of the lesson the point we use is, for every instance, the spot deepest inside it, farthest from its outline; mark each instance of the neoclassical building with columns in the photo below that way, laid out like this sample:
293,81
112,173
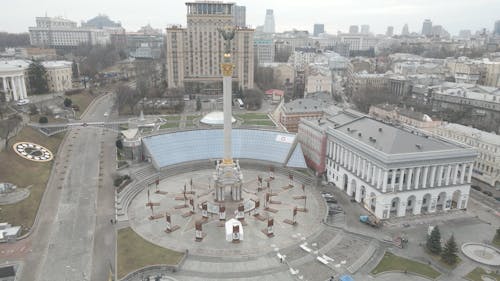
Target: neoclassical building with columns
395,171
12,80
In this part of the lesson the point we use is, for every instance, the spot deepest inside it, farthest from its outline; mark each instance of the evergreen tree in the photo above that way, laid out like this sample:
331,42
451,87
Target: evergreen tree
198,104
74,70
38,78
497,236
450,249
68,102
434,241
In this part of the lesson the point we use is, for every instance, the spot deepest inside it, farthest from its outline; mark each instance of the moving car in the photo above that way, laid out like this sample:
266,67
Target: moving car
23,101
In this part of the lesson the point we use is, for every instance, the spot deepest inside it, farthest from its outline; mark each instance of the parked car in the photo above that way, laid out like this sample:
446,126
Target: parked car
326,195
489,193
331,200
476,187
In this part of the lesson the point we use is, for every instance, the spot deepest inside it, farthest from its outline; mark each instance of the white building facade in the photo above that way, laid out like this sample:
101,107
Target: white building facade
12,80
395,173
59,75
487,164
59,32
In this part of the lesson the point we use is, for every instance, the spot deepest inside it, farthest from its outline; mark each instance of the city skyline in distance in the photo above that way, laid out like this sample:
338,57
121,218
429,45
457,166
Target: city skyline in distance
335,15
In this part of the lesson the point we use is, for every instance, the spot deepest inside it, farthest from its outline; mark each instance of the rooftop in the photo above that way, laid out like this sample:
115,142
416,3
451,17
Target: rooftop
393,140
303,105
473,133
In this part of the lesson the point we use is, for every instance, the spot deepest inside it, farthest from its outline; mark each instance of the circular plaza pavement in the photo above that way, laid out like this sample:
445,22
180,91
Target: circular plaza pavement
169,198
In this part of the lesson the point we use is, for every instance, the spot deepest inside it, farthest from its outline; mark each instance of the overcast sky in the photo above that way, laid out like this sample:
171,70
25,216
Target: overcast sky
454,15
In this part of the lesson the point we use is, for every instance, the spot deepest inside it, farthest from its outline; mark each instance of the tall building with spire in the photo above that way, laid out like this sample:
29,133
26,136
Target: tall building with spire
269,22
194,54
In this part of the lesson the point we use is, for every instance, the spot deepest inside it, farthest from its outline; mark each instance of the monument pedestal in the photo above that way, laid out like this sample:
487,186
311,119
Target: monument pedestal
228,176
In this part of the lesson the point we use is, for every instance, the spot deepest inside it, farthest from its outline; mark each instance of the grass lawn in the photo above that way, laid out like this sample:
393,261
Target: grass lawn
392,262
135,252
172,117
260,122
192,117
24,173
170,125
35,118
250,116
437,258
496,243
82,100
476,274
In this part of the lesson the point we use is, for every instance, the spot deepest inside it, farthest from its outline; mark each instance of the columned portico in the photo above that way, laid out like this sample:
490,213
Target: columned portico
13,85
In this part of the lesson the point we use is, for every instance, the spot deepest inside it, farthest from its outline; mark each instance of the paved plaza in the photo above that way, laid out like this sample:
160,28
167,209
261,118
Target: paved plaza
214,243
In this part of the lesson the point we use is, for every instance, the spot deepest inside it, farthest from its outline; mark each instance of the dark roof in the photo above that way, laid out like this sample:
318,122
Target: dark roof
392,140
7,271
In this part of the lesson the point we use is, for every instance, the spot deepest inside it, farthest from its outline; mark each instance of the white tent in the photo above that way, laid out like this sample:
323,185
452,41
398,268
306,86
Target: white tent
229,229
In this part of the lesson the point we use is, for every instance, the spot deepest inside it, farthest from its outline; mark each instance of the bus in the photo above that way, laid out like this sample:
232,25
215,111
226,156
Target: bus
240,104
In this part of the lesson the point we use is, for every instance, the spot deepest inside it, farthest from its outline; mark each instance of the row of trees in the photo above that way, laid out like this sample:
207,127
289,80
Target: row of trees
448,252
8,40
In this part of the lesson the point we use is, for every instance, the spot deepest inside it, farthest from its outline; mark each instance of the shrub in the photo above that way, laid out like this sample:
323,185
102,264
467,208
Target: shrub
68,102
43,120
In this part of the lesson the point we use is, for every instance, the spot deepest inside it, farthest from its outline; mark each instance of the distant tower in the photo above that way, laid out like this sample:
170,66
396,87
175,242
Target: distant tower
365,29
353,29
427,27
318,29
390,31
269,22
405,31
496,29
239,16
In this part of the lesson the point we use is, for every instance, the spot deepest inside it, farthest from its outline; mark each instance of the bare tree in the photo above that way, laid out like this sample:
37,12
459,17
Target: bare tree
127,96
9,125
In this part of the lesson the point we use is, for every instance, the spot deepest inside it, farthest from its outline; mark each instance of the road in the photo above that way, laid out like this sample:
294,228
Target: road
74,239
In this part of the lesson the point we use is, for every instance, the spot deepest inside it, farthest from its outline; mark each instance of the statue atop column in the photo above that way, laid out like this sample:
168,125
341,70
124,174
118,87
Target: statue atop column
228,34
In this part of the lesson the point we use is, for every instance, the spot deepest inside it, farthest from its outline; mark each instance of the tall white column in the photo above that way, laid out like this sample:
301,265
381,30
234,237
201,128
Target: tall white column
455,173
379,179
227,96
358,172
337,157
410,175
363,169
417,177
384,183
342,155
448,175
433,176
14,88
393,180
23,88
351,160
469,177
424,181
374,174
4,82
462,174
346,158
440,175
401,178
368,171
